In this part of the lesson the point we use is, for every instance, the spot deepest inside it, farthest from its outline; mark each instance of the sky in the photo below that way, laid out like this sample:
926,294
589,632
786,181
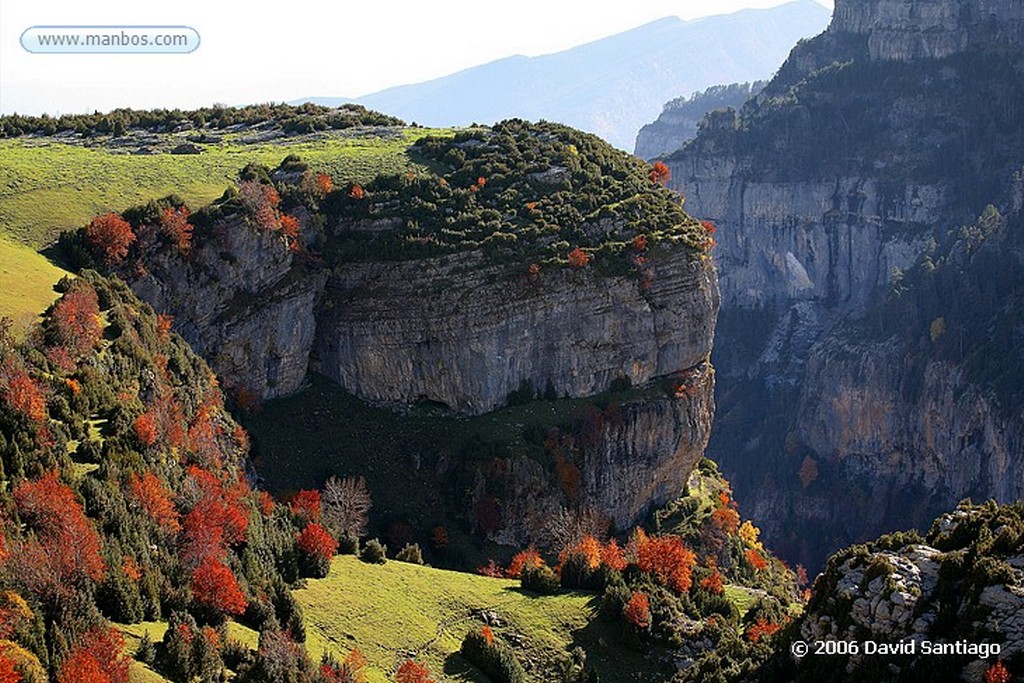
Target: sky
308,48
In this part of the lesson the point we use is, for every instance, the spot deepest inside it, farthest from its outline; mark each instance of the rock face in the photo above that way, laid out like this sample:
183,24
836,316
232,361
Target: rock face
637,460
680,117
242,303
456,331
951,588
825,188
900,30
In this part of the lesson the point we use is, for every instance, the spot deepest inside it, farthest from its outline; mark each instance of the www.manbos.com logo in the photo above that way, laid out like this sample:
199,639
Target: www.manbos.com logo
110,39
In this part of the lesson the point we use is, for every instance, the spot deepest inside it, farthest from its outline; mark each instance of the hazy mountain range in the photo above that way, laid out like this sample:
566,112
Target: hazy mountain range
611,86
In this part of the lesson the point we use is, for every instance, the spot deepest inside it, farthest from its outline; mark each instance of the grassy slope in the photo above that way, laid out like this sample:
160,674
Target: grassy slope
398,609
26,283
47,186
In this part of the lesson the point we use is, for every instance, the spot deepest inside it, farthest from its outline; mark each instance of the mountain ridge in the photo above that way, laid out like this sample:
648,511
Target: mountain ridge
748,45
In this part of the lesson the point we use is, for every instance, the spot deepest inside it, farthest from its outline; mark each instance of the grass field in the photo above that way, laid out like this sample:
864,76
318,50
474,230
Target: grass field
47,186
26,284
397,610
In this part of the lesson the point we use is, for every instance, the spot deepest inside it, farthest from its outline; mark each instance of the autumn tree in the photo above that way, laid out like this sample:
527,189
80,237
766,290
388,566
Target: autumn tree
318,547
523,559
174,224
659,173
323,183
75,320
21,392
110,236
154,497
762,628
411,672
66,549
98,658
8,672
638,611
755,559
260,201
669,560
578,258
613,557
346,506
307,505
356,192
997,673
290,230
215,587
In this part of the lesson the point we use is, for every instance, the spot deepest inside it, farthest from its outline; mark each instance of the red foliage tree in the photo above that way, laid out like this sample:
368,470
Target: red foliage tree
488,635
578,258
145,429
8,672
68,541
640,242
75,320
411,672
762,628
164,322
155,499
523,559
638,611
997,673
215,586
613,557
669,560
323,183
659,173
216,520
713,583
99,658
290,229
21,392
357,192
588,547
306,504
755,559
174,224
110,235
260,201
316,540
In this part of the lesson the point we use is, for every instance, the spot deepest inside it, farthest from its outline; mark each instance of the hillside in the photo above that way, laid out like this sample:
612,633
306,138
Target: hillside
878,146
610,87
680,117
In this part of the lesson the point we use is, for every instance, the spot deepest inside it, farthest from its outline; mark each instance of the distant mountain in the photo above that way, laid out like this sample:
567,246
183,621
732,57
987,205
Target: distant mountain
611,86
681,117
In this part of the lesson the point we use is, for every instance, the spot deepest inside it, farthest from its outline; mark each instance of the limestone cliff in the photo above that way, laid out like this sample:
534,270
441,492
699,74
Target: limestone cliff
242,302
953,592
540,262
458,331
897,125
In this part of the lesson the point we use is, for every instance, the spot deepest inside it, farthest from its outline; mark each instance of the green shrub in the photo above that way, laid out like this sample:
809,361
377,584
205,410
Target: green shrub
540,580
410,553
495,658
374,552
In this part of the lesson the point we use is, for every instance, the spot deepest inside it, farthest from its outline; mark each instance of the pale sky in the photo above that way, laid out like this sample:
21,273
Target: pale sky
306,48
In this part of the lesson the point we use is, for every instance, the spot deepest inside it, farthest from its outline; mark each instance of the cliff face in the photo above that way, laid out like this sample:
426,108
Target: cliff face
900,30
681,117
459,332
864,150
463,289
952,586
242,303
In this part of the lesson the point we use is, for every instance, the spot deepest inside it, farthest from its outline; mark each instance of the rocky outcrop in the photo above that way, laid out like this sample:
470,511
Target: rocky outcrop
636,457
458,331
680,117
901,30
825,189
243,303
944,607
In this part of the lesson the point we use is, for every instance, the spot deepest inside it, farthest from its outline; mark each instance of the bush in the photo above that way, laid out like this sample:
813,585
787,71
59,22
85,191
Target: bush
492,657
410,553
374,552
146,652
540,580
348,544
